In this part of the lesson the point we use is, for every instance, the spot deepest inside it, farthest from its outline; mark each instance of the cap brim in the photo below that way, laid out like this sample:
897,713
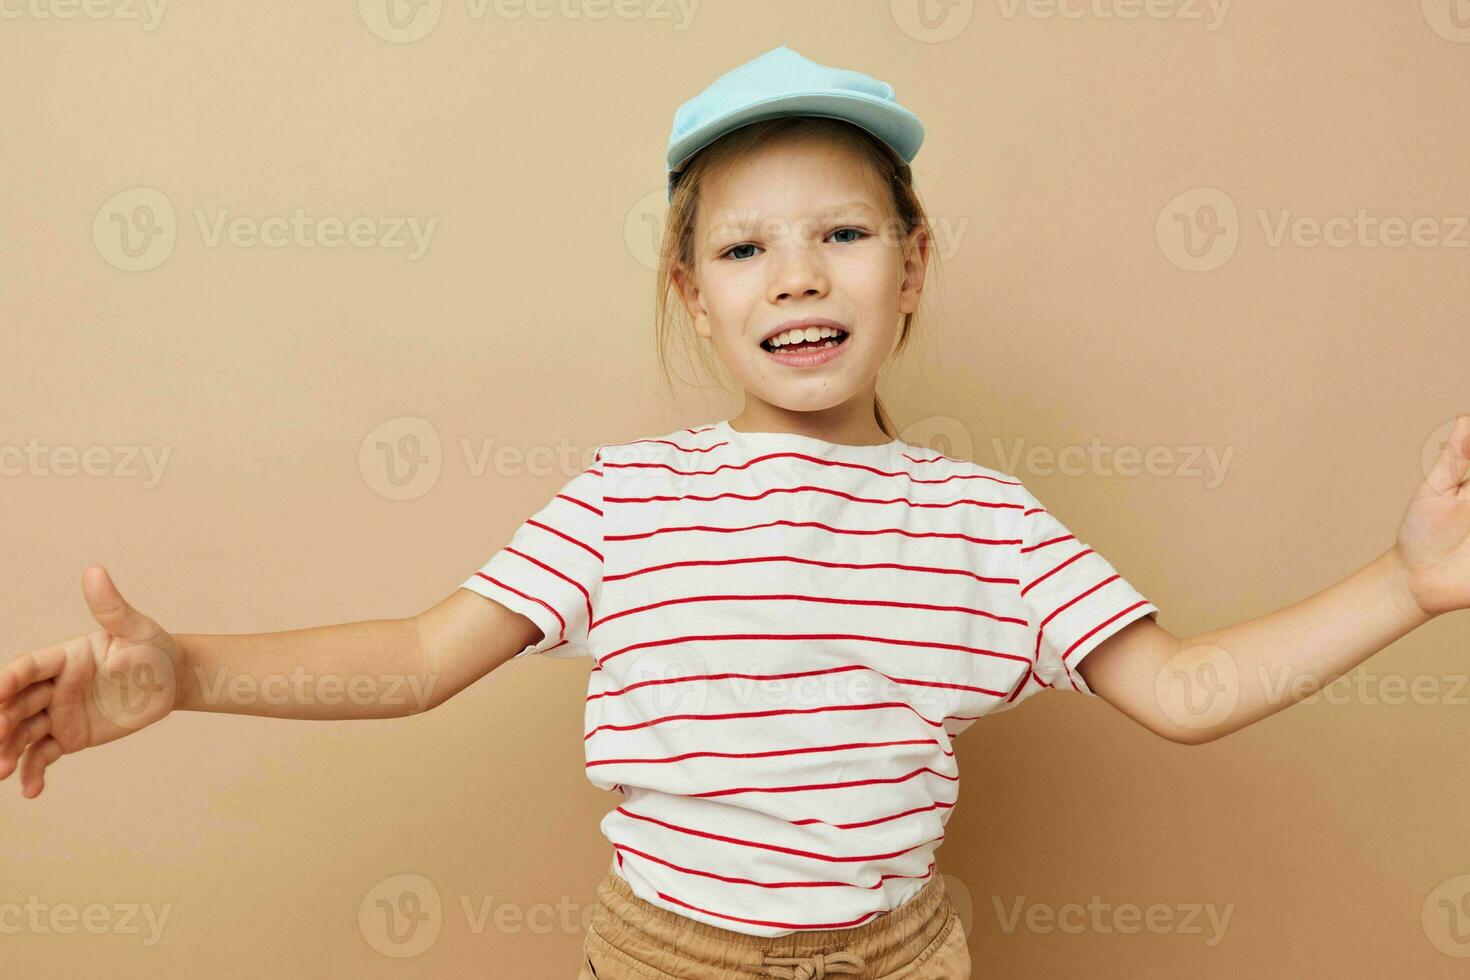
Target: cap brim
890,123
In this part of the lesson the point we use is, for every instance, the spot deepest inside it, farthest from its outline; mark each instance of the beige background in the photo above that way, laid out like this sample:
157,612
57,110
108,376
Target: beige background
1056,155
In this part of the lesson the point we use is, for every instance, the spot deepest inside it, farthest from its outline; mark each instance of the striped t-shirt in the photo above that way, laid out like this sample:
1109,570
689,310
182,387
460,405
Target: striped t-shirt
787,634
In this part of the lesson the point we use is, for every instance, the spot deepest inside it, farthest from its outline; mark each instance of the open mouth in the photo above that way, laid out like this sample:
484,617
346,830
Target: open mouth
804,346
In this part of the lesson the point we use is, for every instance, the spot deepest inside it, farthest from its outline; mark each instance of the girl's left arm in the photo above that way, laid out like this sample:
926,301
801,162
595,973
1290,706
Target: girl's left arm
1198,689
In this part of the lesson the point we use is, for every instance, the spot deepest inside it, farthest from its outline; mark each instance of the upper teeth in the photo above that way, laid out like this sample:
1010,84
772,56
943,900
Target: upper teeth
807,333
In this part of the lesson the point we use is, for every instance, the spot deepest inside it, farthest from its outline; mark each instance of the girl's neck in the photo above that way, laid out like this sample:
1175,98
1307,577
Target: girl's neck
843,428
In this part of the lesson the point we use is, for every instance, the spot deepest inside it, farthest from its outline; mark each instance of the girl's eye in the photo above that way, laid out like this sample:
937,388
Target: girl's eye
728,253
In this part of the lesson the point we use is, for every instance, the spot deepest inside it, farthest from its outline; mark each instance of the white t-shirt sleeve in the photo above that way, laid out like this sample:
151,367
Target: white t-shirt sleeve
1074,599
551,570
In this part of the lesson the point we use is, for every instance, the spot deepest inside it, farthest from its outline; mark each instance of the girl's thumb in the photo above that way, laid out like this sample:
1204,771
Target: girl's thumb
111,610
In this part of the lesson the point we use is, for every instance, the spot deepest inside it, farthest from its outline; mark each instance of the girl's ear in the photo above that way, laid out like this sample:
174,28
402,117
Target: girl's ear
688,291
915,264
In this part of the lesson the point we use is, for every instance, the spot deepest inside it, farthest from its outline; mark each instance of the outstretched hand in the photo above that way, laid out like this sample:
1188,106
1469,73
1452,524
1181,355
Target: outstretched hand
88,690
1434,538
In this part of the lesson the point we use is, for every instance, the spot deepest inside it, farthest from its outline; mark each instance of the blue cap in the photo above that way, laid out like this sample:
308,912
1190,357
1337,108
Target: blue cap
784,83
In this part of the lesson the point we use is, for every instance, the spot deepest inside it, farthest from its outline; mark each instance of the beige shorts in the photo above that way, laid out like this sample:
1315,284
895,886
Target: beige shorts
629,938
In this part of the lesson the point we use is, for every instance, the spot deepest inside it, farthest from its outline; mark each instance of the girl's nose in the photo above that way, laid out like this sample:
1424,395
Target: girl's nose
798,275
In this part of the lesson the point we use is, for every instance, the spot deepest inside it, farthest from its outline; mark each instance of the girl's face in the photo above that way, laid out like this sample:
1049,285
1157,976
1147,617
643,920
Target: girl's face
801,229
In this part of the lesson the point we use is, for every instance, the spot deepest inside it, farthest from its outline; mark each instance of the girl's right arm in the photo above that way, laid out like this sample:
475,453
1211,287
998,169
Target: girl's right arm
98,687
381,668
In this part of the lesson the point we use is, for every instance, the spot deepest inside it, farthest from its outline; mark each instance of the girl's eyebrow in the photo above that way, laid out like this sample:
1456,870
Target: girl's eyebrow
733,226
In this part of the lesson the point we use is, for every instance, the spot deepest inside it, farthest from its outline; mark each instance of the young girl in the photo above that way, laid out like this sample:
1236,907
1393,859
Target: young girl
792,612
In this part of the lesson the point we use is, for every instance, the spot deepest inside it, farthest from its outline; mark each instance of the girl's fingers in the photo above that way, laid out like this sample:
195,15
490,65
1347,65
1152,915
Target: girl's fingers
33,766
22,706
38,665
33,729
1450,468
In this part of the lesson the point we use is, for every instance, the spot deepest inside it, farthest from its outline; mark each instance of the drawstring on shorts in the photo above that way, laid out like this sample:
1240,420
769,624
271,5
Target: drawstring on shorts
813,967
647,935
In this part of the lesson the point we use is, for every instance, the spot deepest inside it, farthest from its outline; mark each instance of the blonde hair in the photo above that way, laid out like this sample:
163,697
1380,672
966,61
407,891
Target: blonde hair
677,248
